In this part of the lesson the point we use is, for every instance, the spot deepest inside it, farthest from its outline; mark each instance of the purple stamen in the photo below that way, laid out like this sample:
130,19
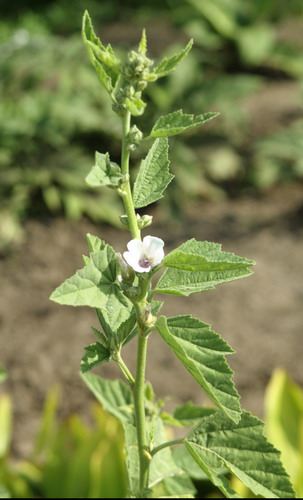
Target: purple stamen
144,262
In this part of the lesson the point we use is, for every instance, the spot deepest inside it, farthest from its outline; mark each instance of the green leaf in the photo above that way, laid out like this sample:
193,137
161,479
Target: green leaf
177,122
95,354
3,374
154,176
243,450
284,424
135,105
199,266
186,462
168,64
143,43
102,58
96,286
115,397
204,256
201,351
104,172
5,424
188,414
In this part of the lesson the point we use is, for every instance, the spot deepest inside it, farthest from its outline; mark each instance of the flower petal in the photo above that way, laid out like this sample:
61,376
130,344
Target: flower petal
136,247
133,261
154,249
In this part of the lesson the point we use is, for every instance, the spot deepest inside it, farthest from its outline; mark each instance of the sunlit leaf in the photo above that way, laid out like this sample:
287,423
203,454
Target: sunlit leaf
242,448
178,122
154,176
202,352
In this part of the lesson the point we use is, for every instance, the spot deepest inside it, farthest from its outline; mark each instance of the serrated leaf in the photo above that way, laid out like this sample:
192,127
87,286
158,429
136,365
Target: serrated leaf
201,352
115,397
154,176
177,122
95,354
241,448
168,64
96,286
198,266
104,173
204,256
143,43
103,58
186,462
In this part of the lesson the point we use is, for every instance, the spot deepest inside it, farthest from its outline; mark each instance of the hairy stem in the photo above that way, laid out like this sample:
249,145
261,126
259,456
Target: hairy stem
139,397
139,382
124,369
126,193
166,445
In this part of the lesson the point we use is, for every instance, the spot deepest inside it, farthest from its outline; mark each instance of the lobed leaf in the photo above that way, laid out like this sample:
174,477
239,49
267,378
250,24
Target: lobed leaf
242,448
201,351
168,64
154,176
95,354
96,286
104,173
178,122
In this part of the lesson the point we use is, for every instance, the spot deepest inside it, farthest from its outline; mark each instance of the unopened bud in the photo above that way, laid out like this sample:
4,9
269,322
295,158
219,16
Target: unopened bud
148,319
127,273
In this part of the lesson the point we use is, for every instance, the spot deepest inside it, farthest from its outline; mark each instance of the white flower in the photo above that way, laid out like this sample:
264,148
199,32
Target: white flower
142,256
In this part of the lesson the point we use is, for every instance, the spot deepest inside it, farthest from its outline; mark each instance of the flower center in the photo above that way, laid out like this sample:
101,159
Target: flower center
144,262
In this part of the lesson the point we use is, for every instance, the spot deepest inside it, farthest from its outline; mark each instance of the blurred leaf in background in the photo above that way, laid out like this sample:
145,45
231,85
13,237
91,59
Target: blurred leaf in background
70,459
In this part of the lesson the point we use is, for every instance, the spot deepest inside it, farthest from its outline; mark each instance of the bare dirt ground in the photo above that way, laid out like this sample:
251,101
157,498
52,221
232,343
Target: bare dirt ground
261,316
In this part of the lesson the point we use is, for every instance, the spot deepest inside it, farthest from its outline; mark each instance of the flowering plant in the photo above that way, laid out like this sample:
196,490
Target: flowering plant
224,439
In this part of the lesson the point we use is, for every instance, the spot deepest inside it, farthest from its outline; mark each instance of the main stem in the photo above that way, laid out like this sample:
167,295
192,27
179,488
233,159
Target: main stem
138,388
126,191
138,392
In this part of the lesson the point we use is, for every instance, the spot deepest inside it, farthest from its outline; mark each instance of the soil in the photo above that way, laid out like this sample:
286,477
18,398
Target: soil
261,317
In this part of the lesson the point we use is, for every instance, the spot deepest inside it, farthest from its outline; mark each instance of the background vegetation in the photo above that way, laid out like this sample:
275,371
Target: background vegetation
55,113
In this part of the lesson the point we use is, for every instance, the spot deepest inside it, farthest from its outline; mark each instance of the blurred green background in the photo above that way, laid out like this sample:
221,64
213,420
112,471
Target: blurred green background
247,63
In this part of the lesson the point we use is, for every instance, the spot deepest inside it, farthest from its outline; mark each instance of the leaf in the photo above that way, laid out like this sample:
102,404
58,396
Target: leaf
284,424
104,173
154,176
96,286
102,58
168,64
204,256
5,424
242,448
135,105
199,266
143,43
115,397
186,462
95,354
3,374
188,414
201,351
177,122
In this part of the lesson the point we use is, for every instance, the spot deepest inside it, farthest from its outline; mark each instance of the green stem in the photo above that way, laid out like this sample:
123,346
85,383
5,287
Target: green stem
139,382
124,369
165,445
126,193
139,397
